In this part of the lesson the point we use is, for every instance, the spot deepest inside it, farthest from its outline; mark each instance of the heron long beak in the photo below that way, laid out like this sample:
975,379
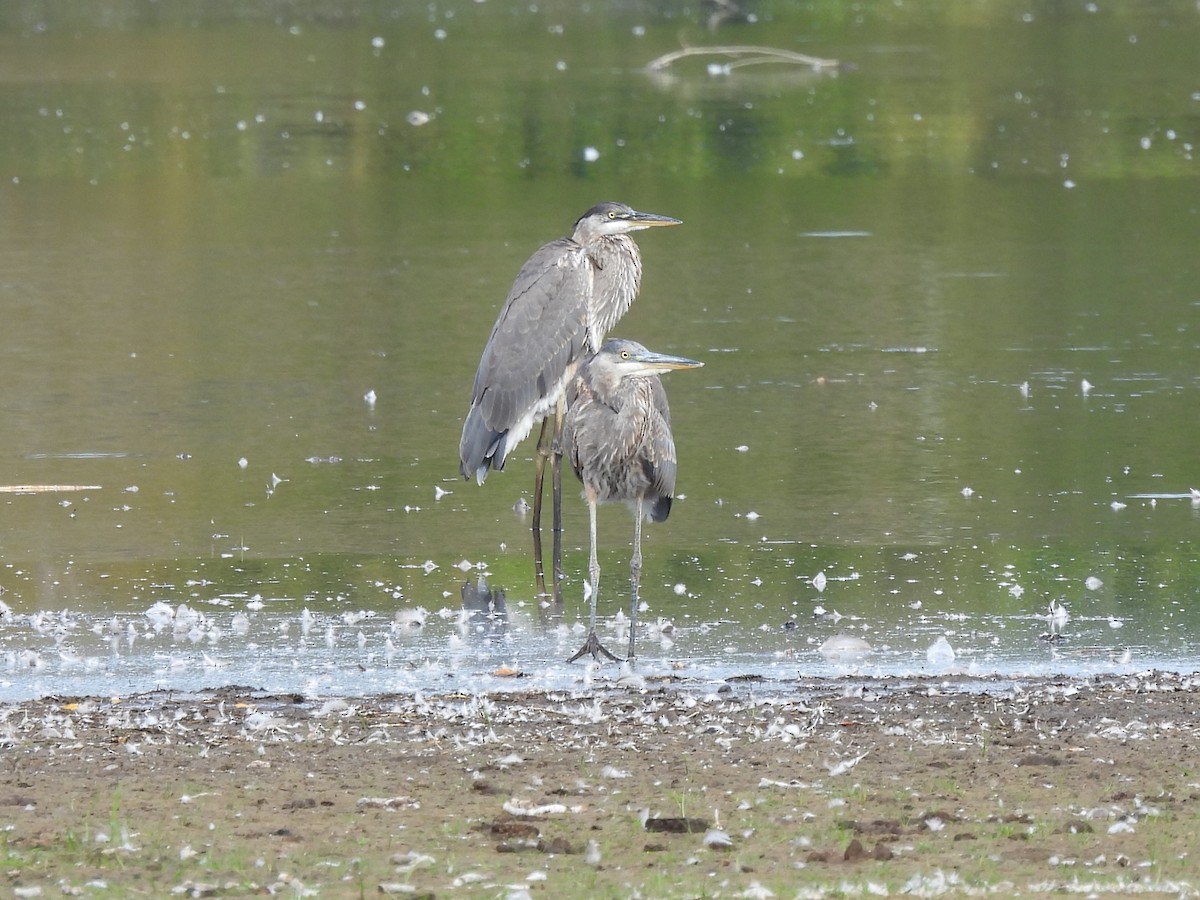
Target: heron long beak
661,362
640,220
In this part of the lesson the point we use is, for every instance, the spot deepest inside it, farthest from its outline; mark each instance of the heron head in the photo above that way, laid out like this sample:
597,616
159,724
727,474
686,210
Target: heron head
617,218
629,358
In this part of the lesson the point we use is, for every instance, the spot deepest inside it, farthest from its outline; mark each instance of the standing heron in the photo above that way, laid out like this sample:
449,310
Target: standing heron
564,300
617,436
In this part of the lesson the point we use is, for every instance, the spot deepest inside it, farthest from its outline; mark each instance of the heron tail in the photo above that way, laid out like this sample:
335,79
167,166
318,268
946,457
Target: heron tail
660,509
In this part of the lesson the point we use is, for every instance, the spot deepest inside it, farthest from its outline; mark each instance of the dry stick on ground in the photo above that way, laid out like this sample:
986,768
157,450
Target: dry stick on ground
745,56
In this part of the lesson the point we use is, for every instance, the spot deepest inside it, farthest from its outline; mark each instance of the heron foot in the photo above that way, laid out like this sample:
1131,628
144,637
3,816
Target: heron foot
593,646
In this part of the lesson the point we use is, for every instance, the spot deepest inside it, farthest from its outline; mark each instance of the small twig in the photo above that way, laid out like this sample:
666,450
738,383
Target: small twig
758,55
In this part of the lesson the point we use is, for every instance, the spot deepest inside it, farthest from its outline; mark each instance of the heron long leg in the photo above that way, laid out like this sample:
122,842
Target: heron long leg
635,577
593,561
556,485
592,645
545,439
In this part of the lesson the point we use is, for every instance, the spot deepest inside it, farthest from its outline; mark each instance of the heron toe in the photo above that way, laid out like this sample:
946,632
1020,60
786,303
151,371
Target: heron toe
593,646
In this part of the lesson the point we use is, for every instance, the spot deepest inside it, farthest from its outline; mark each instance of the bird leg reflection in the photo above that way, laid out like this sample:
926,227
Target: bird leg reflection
592,645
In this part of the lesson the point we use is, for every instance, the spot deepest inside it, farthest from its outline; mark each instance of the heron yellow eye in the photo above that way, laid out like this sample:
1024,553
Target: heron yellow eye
624,354
611,214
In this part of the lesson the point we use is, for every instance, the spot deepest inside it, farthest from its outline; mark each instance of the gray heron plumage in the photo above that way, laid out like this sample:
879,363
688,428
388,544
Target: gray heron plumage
564,300
617,437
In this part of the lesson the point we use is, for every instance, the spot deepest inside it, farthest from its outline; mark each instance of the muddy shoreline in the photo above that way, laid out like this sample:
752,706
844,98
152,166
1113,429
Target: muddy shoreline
805,788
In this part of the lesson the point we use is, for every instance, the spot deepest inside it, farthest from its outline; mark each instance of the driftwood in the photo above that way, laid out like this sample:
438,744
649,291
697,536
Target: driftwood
745,56
45,488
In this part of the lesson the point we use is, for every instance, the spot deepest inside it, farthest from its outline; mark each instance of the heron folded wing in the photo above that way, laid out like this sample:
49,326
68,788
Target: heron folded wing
539,335
661,452
540,332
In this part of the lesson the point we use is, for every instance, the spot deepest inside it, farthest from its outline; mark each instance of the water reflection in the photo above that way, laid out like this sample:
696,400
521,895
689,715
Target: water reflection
485,607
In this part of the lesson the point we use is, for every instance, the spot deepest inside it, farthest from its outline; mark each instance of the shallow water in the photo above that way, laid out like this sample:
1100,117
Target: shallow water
484,643
947,312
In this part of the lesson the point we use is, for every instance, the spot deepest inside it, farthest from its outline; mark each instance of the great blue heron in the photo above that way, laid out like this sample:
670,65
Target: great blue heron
617,436
564,300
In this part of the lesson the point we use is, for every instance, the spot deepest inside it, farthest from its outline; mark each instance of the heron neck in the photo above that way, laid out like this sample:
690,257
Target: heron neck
617,278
